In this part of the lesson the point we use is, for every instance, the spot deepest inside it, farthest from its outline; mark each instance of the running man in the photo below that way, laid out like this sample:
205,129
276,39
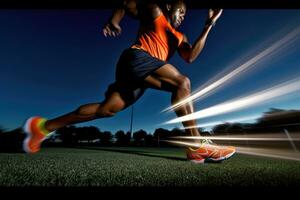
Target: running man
143,65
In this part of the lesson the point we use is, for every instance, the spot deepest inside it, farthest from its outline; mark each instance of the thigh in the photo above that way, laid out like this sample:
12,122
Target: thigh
166,78
120,96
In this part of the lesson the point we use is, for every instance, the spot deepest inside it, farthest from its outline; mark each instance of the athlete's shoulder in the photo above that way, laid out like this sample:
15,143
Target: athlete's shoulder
150,9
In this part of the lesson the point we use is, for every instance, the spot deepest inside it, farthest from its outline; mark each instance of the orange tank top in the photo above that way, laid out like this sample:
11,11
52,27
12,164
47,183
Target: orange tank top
159,38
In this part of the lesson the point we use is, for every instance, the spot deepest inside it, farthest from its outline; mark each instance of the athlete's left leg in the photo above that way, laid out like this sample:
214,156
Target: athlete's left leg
168,78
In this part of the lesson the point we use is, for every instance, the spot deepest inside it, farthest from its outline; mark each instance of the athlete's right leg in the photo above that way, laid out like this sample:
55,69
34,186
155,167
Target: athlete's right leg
109,107
37,128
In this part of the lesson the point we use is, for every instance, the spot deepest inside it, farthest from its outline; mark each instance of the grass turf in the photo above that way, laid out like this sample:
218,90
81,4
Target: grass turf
145,167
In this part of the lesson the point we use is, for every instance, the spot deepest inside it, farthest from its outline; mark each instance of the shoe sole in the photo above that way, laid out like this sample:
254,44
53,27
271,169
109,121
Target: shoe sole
26,129
198,161
221,158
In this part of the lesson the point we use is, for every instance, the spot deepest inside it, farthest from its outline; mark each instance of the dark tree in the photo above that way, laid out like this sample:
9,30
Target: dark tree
68,135
106,138
139,137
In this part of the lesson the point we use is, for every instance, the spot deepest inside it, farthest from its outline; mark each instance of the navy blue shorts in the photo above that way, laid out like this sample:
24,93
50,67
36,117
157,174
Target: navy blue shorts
133,67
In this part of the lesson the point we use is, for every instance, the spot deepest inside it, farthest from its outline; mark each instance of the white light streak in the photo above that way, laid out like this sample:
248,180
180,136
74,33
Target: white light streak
260,97
290,140
238,138
270,153
241,119
244,67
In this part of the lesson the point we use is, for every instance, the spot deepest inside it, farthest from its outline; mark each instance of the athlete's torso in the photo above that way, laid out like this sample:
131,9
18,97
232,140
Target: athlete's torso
158,38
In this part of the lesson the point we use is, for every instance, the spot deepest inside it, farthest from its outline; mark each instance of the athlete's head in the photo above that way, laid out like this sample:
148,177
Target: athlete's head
176,10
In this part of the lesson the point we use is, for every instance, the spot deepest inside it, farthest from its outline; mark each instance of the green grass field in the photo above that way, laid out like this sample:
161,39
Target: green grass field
140,167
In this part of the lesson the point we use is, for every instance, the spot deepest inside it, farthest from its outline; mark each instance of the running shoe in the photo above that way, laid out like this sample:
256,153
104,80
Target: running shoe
209,152
36,133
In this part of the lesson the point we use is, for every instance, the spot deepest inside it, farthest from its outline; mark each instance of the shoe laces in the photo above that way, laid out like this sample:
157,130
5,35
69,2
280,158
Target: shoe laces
206,141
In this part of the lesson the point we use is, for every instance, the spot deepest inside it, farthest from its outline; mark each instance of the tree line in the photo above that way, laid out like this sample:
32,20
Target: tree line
275,120
74,136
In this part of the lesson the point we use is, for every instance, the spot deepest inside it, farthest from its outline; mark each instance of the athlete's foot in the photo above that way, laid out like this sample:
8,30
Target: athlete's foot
209,152
35,134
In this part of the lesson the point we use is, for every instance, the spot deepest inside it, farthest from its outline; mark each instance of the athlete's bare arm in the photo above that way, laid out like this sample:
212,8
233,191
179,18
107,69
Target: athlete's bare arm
112,26
190,52
131,9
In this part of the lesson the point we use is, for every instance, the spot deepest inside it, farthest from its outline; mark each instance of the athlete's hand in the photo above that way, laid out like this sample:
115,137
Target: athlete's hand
214,14
111,29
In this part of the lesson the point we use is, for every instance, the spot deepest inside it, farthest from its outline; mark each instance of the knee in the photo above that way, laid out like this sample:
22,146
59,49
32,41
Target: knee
109,110
105,112
184,84
87,109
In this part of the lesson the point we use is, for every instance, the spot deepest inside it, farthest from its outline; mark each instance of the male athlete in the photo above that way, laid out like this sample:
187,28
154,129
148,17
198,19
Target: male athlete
143,65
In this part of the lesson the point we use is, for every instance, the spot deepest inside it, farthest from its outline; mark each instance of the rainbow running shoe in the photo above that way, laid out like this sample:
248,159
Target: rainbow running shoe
209,152
36,133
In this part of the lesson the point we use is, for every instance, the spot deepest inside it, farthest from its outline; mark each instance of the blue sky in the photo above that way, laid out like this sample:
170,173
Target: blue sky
52,61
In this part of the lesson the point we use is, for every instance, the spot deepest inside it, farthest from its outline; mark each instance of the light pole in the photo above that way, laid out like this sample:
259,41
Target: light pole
131,121
158,138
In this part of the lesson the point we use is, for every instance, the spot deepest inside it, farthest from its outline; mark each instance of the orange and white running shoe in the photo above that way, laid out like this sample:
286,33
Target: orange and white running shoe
209,152
35,134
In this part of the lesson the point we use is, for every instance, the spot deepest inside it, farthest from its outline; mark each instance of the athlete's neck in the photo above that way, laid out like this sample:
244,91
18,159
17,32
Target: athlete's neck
165,13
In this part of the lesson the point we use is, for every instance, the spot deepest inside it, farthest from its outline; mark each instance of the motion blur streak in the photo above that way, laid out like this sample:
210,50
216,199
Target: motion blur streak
286,154
239,138
271,153
224,121
247,65
185,144
291,140
243,102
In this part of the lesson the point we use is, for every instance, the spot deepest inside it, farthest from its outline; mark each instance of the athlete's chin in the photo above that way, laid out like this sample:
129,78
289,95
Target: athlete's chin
175,25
